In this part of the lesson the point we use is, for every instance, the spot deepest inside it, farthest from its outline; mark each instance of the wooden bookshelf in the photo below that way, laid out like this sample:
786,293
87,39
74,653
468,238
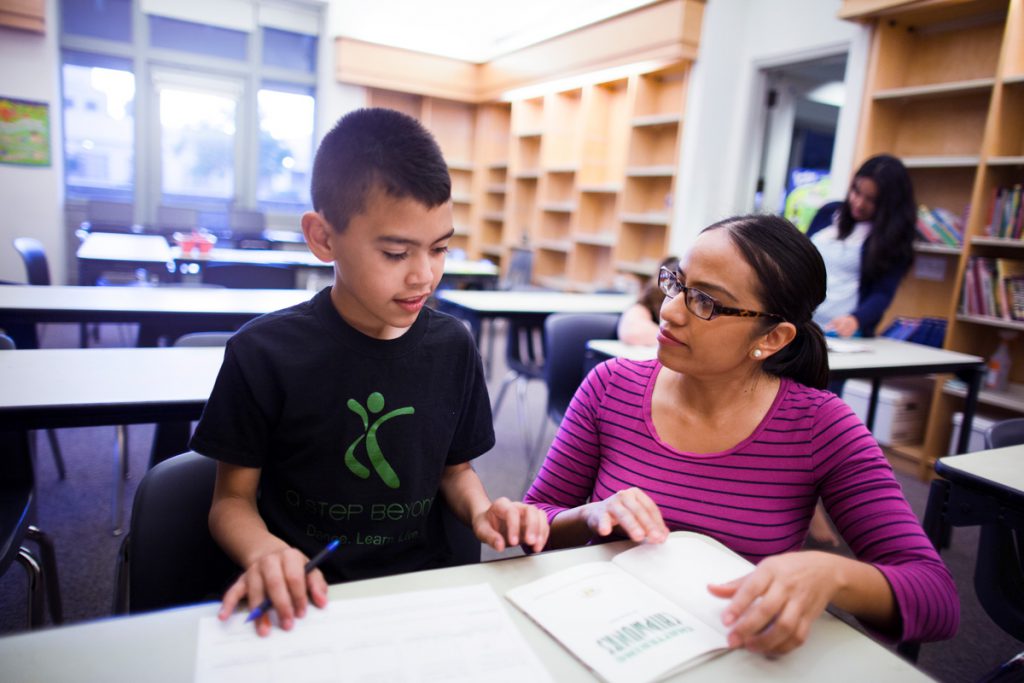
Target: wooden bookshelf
582,173
945,93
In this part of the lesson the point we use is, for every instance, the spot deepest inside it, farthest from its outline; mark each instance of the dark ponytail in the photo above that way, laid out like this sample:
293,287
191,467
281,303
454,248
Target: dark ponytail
791,284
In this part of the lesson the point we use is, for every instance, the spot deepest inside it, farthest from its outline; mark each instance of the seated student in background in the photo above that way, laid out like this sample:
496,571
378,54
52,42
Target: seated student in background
730,433
355,415
638,324
867,248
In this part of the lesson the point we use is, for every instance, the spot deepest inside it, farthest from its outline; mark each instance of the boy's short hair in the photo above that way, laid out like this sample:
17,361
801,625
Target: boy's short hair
377,149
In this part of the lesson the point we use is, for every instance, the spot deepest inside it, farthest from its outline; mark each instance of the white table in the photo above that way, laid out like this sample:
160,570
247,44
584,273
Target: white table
101,251
186,309
985,489
53,388
161,646
881,357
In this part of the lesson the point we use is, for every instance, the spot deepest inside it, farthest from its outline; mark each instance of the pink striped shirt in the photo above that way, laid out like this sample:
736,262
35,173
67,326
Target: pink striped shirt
758,496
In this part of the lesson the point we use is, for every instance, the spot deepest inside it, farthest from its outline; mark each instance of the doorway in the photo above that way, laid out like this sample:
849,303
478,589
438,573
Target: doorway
803,101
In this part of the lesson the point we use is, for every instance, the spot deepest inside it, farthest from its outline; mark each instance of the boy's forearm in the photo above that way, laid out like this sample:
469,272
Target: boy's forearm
239,530
464,492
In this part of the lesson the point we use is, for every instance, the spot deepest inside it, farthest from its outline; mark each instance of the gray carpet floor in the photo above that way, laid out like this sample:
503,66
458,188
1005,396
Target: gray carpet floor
77,514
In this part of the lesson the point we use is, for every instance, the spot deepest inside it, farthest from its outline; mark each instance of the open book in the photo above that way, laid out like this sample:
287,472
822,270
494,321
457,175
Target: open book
642,616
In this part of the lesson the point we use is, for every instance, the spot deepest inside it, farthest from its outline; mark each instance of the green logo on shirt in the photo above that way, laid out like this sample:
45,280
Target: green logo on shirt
375,404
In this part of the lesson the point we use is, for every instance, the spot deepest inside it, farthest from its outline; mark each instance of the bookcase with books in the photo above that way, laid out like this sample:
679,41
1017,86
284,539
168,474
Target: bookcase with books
945,93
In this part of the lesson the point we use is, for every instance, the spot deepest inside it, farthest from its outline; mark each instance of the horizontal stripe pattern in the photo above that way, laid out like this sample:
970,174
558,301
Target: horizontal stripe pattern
758,497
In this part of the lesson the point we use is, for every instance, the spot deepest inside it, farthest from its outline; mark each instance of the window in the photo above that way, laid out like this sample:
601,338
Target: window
186,36
197,145
107,20
225,96
286,149
289,50
99,131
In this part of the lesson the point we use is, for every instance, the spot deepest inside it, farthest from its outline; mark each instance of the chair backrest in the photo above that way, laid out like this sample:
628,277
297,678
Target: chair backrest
1005,433
520,269
249,275
6,343
169,556
247,221
203,339
106,215
565,344
176,218
34,256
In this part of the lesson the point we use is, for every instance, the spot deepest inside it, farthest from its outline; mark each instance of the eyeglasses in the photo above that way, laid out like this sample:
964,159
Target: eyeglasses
702,305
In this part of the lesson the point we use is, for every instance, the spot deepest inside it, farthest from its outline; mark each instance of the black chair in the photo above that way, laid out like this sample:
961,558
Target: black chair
565,345
171,438
7,344
17,509
1005,433
34,256
107,216
168,557
249,275
175,218
524,357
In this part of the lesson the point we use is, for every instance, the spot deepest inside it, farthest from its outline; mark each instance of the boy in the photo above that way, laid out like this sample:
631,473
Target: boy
352,415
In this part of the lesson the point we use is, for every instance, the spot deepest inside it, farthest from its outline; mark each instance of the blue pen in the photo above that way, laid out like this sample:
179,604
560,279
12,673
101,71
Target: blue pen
310,566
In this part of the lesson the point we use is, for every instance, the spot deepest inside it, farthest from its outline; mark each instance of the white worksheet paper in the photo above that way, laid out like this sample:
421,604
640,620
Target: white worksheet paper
449,634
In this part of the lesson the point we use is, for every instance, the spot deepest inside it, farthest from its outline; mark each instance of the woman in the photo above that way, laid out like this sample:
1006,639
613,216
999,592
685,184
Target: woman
868,248
638,324
730,433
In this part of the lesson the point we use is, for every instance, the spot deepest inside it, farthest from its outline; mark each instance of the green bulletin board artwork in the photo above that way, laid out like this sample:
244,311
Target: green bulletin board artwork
24,132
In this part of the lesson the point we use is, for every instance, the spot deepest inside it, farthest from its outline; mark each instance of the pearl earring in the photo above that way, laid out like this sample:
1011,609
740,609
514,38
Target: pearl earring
758,353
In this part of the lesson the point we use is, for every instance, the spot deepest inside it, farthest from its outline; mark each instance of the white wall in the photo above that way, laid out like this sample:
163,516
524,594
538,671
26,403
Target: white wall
722,128
31,197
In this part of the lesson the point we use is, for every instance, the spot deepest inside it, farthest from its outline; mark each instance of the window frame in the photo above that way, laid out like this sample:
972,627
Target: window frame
251,73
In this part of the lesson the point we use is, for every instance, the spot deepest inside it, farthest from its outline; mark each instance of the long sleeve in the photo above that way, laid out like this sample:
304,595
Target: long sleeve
874,298
868,507
569,473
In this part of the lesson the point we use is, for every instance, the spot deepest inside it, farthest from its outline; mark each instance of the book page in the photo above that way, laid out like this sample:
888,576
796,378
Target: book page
836,345
451,634
681,569
619,627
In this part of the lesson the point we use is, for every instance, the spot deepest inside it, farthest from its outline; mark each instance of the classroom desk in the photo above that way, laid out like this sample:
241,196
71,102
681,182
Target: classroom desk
986,489
161,646
53,388
183,308
104,251
882,358
526,306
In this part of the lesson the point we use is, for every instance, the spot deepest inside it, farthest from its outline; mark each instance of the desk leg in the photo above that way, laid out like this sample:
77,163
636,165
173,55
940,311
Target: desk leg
120,474
876,385
973,379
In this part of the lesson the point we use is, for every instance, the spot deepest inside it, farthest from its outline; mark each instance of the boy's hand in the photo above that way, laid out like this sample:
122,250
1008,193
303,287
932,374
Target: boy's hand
506,523
281,576
632,511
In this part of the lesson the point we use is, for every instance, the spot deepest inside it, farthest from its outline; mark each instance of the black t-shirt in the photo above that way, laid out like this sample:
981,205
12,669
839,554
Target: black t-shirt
352,433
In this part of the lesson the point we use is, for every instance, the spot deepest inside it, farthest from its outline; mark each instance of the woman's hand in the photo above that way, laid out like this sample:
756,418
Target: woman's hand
844,326
630,510
281,576
773,607
505,524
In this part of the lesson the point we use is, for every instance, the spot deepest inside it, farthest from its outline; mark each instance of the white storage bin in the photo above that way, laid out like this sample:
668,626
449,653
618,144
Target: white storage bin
901,410
976,442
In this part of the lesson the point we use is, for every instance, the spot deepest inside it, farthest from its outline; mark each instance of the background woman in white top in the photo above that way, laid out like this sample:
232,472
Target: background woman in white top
867,248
